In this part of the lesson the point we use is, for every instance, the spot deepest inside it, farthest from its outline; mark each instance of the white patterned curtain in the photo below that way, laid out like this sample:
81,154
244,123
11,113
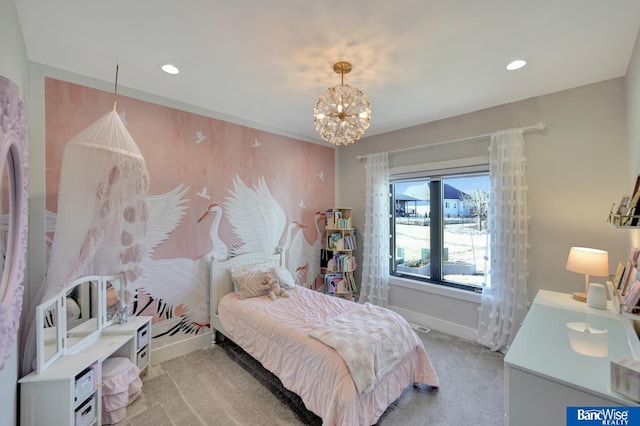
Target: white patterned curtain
504,296
375,263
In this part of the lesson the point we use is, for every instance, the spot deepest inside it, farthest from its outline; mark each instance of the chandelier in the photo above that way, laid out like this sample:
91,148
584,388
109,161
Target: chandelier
341,113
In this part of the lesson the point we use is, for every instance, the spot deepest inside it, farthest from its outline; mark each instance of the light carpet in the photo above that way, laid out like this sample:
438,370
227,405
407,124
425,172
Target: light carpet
224,386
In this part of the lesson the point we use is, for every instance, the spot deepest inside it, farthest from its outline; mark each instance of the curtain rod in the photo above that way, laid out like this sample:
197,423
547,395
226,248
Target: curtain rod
535,127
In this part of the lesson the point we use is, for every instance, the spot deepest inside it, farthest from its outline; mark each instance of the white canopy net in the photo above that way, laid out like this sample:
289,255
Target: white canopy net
102,213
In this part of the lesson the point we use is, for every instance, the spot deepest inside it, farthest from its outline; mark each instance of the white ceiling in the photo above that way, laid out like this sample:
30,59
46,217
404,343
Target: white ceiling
265,62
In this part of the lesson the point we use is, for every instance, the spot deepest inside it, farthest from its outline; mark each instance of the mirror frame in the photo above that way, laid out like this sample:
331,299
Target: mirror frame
14,156
41,362
106,322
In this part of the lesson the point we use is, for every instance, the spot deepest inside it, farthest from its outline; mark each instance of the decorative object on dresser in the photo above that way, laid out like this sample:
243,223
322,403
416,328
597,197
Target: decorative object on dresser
83,344
587,261
597,296
339,265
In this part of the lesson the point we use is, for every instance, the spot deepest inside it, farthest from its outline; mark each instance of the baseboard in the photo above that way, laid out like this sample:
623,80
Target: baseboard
447,327
183,347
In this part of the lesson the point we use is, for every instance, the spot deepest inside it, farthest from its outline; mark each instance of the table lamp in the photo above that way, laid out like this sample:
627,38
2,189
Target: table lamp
587,261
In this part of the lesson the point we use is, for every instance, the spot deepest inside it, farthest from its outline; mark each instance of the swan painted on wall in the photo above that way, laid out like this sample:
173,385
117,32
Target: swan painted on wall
303,257
219,251
185,282
257,219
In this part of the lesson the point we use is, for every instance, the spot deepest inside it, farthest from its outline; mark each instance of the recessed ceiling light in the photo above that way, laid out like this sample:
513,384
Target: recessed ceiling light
170,69
517,64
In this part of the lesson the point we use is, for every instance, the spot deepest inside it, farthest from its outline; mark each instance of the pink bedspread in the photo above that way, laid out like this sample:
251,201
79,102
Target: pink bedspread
276,333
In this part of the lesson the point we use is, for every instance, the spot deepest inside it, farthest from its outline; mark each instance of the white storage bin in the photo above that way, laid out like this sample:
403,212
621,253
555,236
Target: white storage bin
142,358
86,413
85,385
143,336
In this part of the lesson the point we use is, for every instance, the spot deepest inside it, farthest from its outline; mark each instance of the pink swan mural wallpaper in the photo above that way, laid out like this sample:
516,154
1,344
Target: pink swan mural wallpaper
217,189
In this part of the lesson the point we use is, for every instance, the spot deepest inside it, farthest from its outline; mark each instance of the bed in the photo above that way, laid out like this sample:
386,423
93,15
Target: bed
278,334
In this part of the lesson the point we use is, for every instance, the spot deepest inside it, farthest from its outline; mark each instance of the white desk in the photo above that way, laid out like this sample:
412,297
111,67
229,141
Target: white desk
544,375
50,398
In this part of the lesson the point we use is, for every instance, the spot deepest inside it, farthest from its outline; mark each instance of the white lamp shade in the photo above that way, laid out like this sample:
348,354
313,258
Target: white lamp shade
588,261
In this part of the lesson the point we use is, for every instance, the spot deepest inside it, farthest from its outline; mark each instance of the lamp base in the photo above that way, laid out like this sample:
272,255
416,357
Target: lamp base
580,296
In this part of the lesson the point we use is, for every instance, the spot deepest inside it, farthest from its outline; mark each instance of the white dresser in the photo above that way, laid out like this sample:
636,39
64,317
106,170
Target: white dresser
544,374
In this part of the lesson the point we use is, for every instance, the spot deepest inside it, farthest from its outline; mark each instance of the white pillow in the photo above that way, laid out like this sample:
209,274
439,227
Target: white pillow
285,277
251,280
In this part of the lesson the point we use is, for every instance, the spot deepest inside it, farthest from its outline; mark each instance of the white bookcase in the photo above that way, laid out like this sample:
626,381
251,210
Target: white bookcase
339,245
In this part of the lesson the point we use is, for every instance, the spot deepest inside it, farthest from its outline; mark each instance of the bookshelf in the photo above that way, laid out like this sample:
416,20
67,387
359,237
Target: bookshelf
338,264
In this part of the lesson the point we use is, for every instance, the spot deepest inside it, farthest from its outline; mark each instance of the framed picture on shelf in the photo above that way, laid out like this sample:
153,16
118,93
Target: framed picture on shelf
617,278
623,207
630,271
633,209
636,187
633,296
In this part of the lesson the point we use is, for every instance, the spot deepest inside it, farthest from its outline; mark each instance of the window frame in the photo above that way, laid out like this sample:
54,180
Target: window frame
435,177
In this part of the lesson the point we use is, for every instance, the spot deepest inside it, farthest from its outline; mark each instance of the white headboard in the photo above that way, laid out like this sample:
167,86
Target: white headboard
221,283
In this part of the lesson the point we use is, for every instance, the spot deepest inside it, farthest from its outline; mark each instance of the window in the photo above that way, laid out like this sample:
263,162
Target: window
439,228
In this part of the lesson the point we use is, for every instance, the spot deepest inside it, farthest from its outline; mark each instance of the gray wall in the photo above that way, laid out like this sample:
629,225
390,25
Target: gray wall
13,65
576,169
633,119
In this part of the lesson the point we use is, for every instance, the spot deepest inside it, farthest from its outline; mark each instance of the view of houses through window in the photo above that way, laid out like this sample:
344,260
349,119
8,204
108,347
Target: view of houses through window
439,229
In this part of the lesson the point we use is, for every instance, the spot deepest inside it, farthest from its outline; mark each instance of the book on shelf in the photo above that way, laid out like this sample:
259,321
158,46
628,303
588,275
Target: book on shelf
328,219
334,241
633,296
351,283
630,270
341,262
332,280
349,242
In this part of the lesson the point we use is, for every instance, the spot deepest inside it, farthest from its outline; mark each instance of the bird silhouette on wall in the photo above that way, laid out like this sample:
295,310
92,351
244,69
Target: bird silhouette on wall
204,194
200,137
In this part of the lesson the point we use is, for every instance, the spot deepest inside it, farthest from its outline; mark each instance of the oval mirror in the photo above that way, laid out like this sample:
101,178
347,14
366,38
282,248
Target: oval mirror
13,212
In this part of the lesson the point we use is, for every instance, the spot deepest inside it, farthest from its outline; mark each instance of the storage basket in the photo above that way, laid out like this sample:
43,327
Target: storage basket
85,385
86,413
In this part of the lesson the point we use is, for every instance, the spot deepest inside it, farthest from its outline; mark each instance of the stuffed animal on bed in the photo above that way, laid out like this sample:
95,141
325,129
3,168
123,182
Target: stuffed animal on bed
275,290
